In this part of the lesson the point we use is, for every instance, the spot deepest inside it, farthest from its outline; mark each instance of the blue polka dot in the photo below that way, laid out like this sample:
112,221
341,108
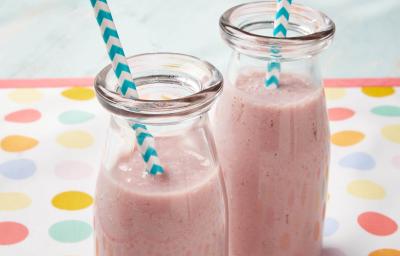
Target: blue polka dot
75,117
358,160
70,231
330,226
18,169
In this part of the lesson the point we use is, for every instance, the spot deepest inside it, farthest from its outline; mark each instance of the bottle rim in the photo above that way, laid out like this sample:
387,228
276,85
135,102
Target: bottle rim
314,31
175,69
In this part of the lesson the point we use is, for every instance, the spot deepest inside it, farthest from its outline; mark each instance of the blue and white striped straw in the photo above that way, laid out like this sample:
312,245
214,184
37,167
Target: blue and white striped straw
280,30
127,87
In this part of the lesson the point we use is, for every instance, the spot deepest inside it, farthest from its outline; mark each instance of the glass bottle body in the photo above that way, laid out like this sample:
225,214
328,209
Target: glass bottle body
180,212
274,148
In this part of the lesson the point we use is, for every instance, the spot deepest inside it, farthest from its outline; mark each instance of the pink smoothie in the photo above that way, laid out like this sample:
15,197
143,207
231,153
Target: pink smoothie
180,213
273,147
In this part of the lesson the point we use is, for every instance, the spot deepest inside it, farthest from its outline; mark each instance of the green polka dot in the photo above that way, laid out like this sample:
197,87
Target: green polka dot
386,110
70,231
74,117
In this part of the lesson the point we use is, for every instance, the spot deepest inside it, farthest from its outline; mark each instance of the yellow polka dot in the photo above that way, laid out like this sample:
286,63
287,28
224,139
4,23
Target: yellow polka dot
375,91
392,133
366,189
25,95
72,200
75,139
347,138
78,93
334,93
18,143
385,252
10,201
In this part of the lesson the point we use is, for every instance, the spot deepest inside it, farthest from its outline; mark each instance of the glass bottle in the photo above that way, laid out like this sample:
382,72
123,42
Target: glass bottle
182,211
274,143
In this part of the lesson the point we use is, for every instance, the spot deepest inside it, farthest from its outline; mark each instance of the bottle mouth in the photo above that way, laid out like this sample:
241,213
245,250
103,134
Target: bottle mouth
169,85
246,28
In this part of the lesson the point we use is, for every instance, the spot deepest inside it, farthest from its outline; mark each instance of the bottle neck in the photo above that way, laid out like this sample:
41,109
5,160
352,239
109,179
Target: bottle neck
240,63
165,127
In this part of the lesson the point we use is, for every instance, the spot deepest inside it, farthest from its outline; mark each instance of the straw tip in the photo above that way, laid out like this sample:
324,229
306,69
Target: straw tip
272,82
156,170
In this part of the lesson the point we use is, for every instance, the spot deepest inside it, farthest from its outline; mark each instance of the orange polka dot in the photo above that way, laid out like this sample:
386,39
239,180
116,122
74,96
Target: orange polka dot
347,138
385,252
18,143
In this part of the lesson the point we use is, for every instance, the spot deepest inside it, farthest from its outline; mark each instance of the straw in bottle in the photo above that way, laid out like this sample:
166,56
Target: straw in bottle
127,87
281,23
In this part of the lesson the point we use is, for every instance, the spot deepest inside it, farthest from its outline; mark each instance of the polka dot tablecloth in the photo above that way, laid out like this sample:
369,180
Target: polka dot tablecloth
51,141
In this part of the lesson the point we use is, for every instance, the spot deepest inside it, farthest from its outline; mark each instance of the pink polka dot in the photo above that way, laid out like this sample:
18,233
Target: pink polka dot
377,223
338,114
396,161
23,116
73,170
12,232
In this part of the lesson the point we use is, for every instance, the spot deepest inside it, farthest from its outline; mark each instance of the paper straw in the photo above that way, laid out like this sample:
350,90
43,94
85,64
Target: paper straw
280,30
127,87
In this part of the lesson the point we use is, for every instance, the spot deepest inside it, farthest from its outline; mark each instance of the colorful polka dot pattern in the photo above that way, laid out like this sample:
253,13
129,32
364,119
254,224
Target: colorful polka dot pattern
61,145
42,147
365,137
